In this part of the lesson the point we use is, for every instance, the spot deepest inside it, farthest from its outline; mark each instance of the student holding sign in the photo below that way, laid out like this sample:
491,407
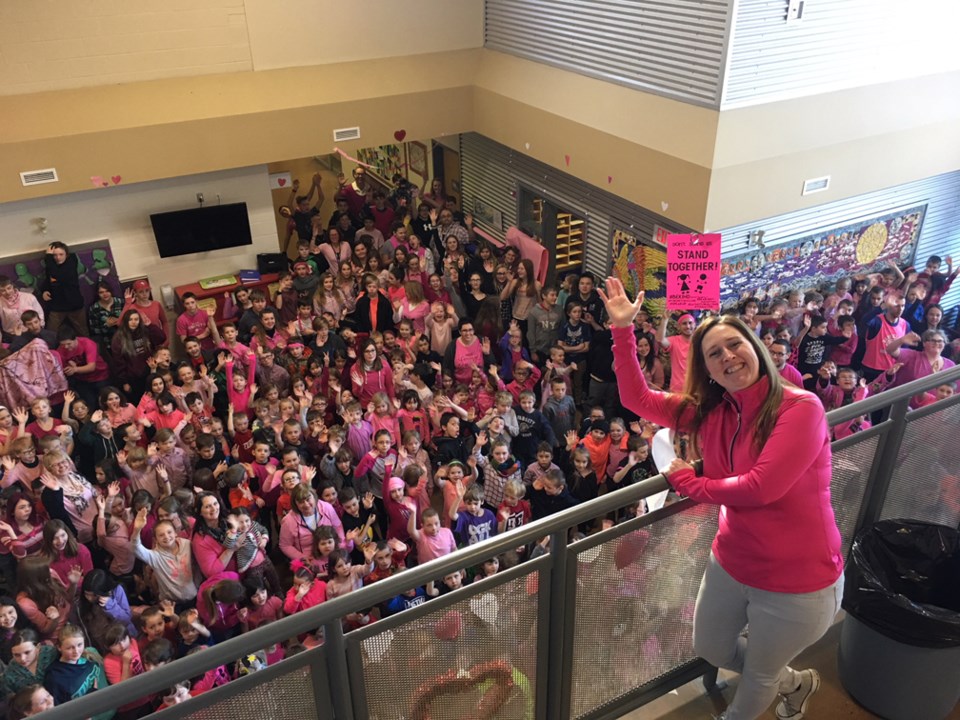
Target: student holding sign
776,564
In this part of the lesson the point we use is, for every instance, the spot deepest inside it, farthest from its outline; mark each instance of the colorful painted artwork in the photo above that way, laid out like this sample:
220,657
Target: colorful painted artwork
96,264
854,249
640,267
693,271
385,161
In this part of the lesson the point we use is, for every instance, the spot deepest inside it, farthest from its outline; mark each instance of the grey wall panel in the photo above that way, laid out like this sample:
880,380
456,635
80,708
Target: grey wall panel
492,172
838,44
940,234
668,47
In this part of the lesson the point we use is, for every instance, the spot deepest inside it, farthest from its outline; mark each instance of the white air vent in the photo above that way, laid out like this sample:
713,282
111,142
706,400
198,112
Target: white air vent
39,177
815,185
346,134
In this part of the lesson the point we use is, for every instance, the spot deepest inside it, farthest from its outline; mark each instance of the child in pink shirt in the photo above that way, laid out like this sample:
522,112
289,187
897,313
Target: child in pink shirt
432,540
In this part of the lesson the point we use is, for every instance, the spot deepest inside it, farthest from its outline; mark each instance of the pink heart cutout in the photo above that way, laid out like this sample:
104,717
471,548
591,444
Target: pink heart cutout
116,179
566,159
96,180
400,135
609,179
281,181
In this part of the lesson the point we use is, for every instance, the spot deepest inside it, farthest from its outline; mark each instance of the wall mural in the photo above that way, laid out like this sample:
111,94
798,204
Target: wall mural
96,264
858,248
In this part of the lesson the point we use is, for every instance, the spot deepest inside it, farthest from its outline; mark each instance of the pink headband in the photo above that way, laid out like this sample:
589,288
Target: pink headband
685,317
394,483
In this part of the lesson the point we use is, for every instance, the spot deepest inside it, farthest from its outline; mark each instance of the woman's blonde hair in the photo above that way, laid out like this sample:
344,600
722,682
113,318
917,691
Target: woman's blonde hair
53,457
703,394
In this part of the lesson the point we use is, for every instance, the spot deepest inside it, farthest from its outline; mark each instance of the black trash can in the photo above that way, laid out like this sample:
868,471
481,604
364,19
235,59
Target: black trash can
899,651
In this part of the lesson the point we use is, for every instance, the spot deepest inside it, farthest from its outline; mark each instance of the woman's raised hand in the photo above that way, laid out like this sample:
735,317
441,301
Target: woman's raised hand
619,308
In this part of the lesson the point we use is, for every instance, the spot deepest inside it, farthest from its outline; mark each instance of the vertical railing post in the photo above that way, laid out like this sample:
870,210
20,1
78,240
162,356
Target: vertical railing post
884,464
558,689
336,652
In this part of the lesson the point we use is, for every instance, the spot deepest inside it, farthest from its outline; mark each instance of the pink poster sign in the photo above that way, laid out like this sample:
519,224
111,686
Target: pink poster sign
693,272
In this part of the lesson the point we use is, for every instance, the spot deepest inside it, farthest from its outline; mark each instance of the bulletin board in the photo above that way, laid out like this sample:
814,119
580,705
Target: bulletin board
384,161
96,264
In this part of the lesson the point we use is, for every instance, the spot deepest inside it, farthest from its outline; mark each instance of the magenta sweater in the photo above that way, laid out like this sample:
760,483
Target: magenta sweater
777,530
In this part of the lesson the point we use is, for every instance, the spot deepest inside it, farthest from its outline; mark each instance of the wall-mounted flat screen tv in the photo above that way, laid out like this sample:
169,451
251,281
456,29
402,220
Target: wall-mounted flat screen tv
184,232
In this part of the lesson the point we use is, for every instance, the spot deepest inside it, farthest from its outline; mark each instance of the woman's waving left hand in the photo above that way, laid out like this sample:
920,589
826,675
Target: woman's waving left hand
619,308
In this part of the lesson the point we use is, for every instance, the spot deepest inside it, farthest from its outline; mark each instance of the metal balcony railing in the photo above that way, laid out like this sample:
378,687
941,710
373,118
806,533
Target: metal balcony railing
591,629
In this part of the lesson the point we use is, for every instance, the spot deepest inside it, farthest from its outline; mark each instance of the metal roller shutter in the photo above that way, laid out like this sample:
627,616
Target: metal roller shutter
493,172
669,47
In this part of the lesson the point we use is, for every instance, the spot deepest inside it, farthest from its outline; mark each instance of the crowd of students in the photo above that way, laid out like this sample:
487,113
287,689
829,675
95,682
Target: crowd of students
407,389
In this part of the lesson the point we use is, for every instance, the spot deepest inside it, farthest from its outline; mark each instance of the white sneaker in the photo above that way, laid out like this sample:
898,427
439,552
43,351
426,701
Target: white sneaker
793,705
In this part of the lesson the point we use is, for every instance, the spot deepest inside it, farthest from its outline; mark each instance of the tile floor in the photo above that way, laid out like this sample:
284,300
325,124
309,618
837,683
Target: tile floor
830,703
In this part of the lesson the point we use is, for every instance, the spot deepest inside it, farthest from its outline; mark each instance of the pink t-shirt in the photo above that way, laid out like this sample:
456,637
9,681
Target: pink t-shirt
268,612
465,357
430,548
194,325
678,348
83,354
113,668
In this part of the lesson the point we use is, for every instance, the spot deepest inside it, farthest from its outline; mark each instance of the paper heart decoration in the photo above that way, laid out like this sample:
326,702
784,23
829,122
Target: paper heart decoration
527,145
566,159
588,556
116,179
609,179
97,181
378,645
281,181
400,135
664,206
486,607
449,626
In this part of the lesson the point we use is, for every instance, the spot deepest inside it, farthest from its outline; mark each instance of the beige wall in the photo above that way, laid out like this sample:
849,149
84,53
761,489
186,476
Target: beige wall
169,128
865,139
288,33
58,44
69,43
668,126
122,215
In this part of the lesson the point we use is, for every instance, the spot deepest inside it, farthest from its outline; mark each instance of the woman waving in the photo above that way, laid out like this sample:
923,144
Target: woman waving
776,564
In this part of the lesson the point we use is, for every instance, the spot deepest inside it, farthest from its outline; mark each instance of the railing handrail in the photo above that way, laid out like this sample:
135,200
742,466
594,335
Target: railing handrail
889,397
166,676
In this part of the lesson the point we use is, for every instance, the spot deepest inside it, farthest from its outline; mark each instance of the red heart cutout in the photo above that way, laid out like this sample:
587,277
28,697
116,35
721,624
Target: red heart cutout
281,181
400,135
609,179
106,184
566,159
116,179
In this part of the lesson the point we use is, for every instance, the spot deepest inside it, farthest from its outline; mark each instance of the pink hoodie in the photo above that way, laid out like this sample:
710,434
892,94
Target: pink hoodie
777,528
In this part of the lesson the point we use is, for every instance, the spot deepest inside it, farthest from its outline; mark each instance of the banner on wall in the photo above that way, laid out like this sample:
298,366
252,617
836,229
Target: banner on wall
693,272
640,267
858,248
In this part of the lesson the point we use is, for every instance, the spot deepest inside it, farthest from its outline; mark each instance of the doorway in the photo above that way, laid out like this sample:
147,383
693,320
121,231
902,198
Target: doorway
560,230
